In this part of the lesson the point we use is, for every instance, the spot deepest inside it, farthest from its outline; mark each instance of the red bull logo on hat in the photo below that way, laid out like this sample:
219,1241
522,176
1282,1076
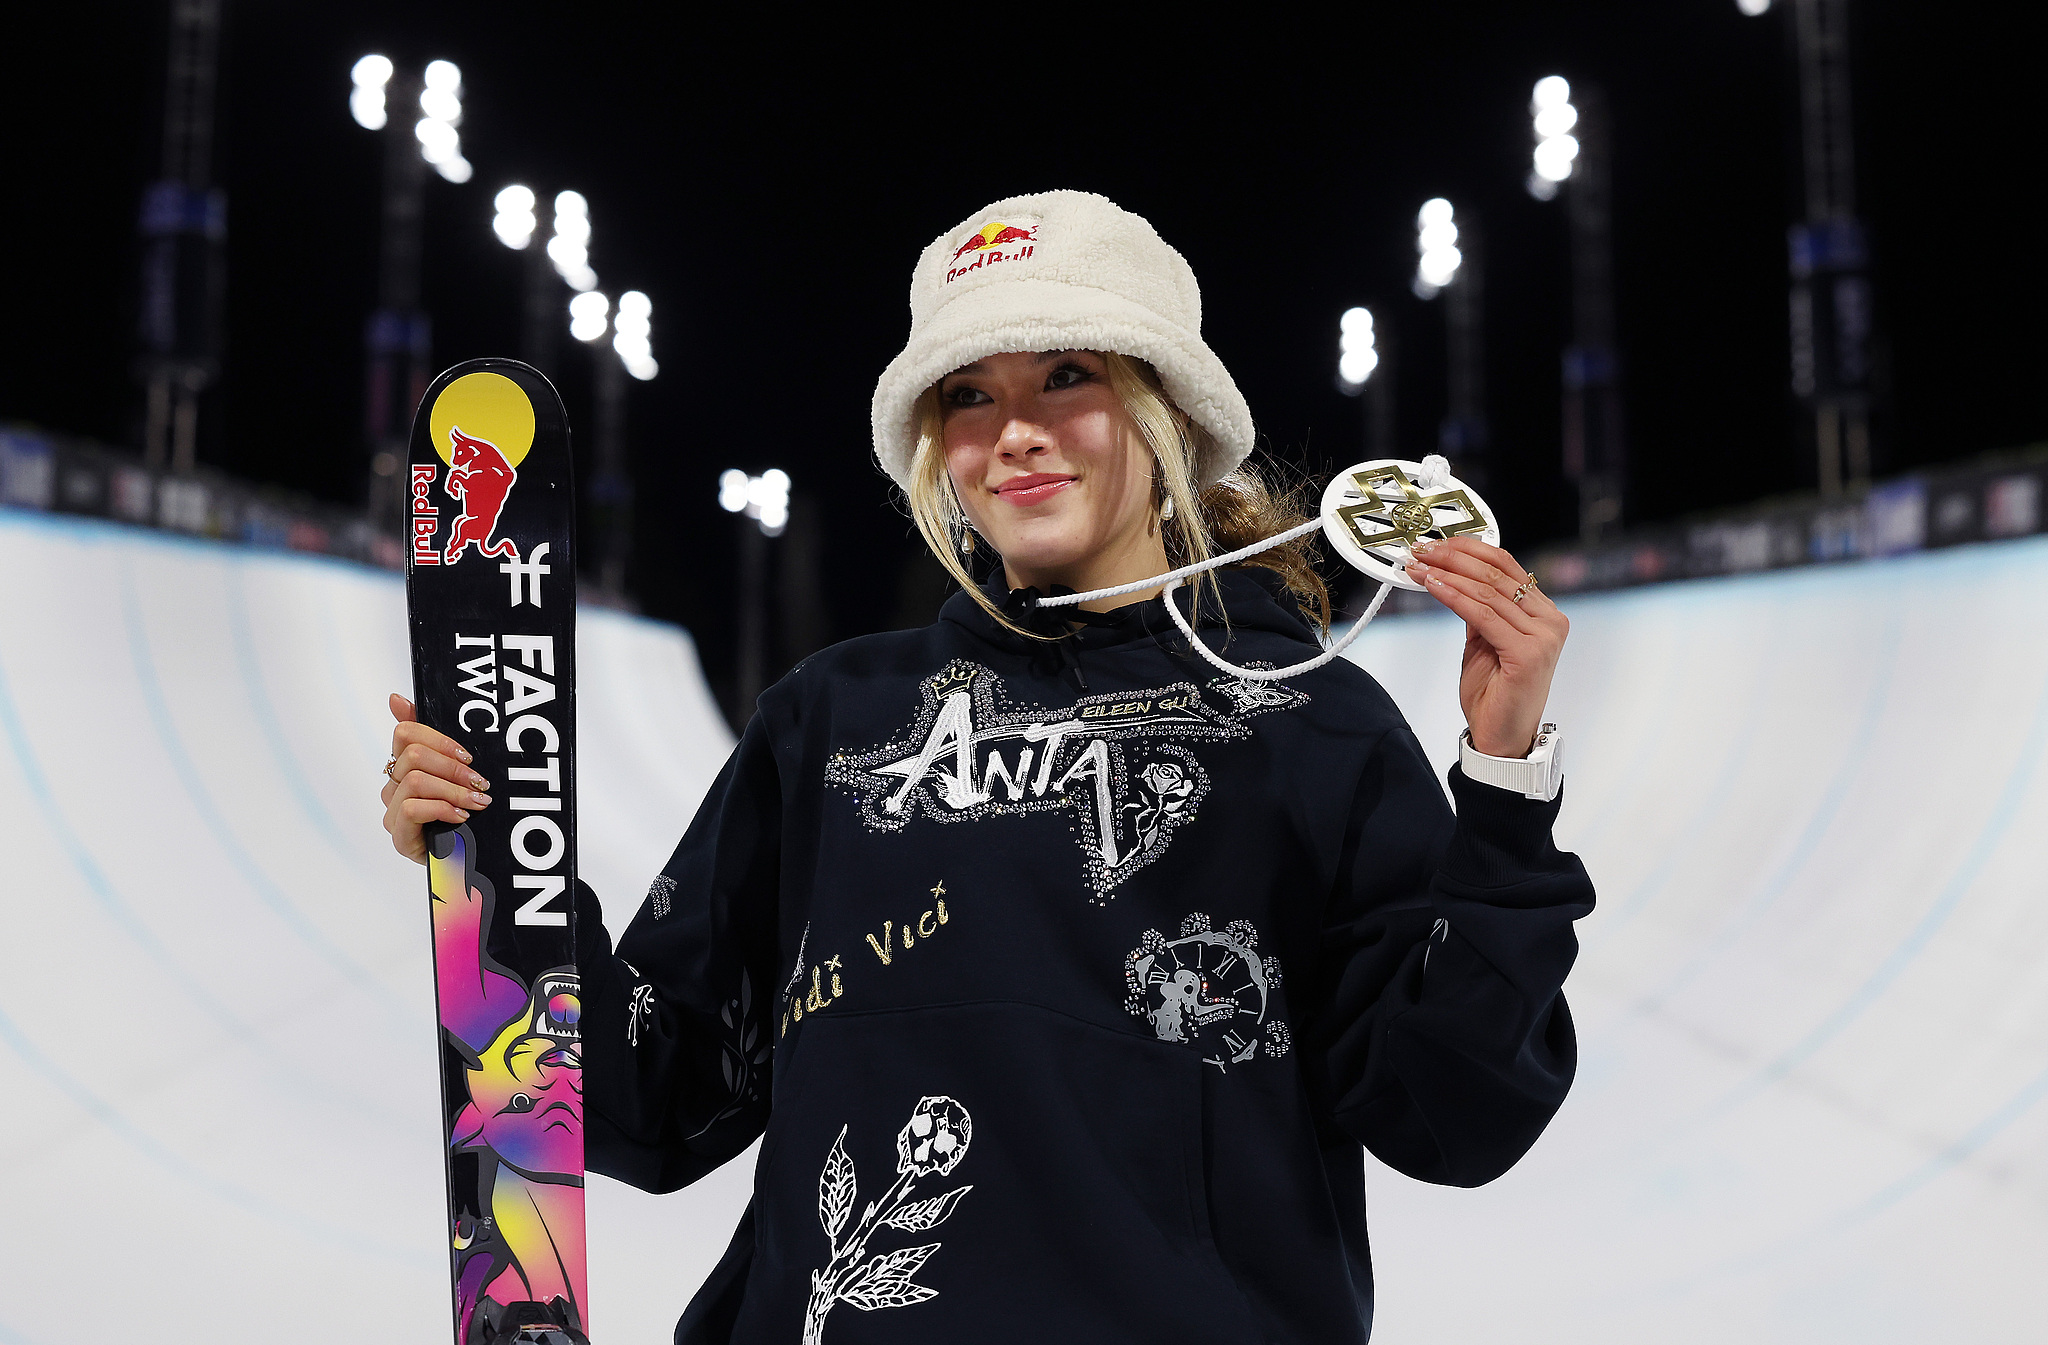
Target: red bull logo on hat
995,241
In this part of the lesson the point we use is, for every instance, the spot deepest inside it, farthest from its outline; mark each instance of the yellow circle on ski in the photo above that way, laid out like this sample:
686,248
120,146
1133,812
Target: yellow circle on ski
484,406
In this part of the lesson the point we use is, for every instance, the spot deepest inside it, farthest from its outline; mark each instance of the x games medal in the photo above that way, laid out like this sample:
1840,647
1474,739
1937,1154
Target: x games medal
491,598
1375,513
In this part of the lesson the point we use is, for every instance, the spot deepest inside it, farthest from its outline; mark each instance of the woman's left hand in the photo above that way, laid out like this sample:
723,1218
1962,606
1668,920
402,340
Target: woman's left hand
1511,648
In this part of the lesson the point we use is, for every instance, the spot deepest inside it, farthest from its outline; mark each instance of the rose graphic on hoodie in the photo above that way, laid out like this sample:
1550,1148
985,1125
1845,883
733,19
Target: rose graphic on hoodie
931,1144
1165,792
935,1140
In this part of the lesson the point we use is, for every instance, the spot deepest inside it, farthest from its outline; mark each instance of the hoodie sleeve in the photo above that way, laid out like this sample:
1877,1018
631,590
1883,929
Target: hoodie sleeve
1444,1036
676,1039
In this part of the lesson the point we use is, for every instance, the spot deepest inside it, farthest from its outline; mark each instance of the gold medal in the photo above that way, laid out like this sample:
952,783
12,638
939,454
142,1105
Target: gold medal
1374,514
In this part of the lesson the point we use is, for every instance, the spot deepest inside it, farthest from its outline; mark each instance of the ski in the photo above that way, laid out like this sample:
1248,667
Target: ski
491,601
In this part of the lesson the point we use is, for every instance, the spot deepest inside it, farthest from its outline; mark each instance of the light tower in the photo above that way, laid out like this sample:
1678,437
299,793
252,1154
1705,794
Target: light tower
521,216
1572,152
184,233
591,319
765,500
399,336
1357,350
1831,299
1437,257
611,488
1443,267
1359,358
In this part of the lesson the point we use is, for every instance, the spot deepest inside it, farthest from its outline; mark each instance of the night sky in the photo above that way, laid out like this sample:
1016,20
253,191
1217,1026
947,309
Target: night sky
770,182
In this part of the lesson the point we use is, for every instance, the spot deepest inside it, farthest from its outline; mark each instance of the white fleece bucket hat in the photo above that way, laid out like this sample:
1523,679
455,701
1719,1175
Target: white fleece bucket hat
1061,270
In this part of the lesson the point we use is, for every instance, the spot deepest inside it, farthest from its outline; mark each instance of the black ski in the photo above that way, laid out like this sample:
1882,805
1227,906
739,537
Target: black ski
491,596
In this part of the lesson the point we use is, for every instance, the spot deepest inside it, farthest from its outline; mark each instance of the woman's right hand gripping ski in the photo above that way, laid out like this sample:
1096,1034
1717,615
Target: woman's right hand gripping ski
431,781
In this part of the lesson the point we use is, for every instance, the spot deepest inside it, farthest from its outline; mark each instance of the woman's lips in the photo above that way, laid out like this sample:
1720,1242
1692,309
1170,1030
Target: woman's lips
1034,489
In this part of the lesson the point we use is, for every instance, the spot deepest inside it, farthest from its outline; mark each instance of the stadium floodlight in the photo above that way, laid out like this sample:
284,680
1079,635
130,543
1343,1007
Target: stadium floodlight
441,113
569,249
588,314
1357,353
514,223
768,494
1557,150
366,100
1437,255
1753,7
443,95
763,498
630,332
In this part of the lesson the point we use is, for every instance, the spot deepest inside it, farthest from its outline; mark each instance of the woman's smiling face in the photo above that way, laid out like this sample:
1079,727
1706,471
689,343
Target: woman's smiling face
1050,468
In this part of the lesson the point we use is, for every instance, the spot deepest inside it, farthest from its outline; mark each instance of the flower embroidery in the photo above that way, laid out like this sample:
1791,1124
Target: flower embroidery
1165,793
936,1138
744,1053
931,1144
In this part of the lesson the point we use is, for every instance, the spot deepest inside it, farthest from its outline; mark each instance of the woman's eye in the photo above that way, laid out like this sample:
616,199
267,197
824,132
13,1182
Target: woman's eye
1067,375
964,396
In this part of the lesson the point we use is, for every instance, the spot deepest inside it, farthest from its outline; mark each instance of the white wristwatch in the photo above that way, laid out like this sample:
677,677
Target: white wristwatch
1537,776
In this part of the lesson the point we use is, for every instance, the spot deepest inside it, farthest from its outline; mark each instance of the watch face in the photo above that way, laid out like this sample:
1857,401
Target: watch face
1208,989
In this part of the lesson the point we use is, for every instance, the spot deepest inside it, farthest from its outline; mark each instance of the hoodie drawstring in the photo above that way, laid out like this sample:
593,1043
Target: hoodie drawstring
1022,606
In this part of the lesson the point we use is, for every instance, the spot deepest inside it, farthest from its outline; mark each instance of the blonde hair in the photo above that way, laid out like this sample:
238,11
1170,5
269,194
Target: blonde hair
1233,512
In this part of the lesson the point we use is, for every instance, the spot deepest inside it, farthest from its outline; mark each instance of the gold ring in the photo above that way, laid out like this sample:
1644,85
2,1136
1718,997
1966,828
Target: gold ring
387,768
1523,591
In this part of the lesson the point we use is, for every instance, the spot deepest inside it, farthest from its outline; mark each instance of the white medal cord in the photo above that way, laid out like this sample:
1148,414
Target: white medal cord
1435,472
1175,576
1172,580
1275,674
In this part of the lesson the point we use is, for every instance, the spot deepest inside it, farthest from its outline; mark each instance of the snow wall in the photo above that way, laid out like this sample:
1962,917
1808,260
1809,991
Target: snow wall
1813,1005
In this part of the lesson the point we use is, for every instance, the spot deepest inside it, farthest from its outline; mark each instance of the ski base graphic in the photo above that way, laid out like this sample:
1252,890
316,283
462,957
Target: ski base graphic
491,601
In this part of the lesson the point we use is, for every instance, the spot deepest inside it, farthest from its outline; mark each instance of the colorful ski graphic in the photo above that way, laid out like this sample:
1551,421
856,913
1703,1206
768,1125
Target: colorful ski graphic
491,595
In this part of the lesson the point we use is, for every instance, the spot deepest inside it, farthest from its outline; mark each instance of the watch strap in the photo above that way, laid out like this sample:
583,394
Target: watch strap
1537,776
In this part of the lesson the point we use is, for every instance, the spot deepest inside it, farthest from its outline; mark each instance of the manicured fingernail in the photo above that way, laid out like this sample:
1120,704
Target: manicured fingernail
481,800
461,816
478,781
1416,567
464,754
1426,544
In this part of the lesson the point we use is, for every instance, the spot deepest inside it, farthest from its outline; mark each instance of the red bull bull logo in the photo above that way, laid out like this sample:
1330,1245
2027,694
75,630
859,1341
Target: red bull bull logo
994,242
479,476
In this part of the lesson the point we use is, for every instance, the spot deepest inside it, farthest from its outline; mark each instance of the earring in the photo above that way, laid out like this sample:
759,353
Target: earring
966,538
1166,510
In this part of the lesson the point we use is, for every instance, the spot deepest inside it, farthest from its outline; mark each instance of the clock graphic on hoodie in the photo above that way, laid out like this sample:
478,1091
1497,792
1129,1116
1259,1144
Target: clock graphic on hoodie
1209,990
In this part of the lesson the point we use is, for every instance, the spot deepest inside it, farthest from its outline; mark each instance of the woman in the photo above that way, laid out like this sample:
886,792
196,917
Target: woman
1077,973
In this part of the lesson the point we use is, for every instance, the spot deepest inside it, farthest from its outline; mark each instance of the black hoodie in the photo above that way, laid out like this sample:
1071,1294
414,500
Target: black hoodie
1075,1005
